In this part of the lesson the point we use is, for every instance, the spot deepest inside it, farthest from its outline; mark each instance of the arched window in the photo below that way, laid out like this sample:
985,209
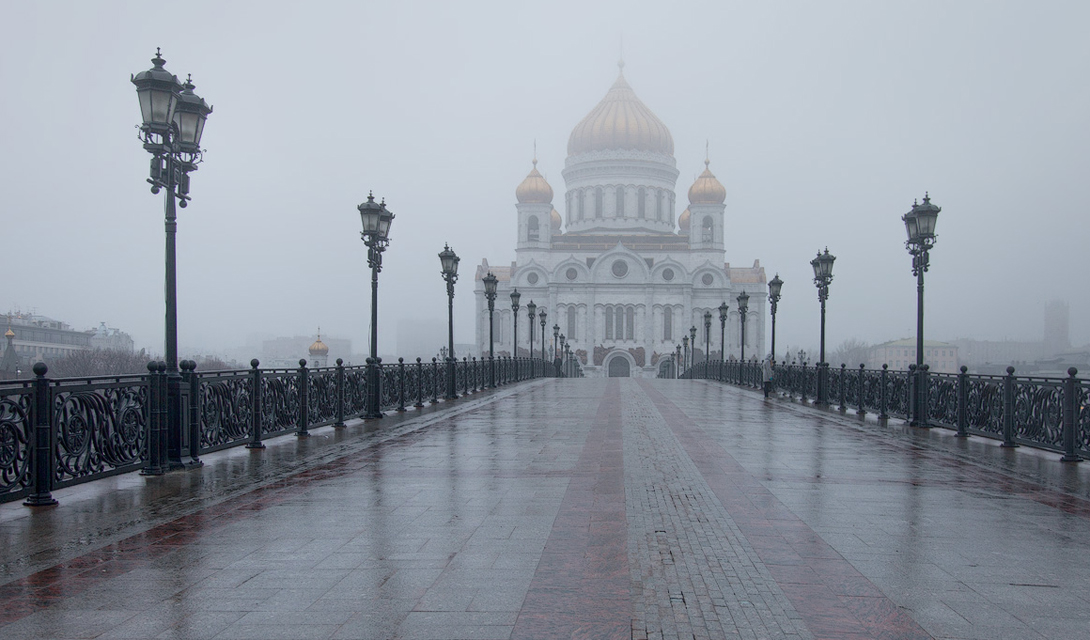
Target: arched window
620,202
571,323
568,208
641,204
658,205
531,229
582,203
598,213
618,323
609,323
630,322
667,323
706,229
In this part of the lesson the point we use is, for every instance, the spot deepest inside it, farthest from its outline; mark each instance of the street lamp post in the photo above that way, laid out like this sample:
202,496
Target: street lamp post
556,337
685,352
707,340
677,363
692,346
723,333
449,261
823,275
515,296
490,283
743,307
774,287
173,123
542,315
531,312
920,227
376,220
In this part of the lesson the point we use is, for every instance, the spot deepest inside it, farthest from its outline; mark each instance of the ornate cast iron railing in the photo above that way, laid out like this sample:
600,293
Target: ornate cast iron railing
60,432
1041,412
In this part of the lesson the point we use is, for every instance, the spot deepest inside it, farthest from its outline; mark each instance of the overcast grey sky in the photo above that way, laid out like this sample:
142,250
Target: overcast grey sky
825,121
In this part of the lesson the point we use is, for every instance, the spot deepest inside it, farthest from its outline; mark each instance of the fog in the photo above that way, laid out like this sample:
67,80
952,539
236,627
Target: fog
824,122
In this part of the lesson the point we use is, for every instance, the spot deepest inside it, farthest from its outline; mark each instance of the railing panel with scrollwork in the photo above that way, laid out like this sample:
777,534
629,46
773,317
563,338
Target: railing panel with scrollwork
1082,419
355,390
225,408
99,426
16,439
1038,412
321,397
279,401
985,406
898,390
942,400
872,391
391,386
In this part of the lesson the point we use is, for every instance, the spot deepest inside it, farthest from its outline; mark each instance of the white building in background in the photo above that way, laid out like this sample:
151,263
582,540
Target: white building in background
619,274
112,339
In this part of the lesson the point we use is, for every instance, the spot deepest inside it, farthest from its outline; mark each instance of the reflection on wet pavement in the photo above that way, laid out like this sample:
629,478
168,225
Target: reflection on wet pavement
569,509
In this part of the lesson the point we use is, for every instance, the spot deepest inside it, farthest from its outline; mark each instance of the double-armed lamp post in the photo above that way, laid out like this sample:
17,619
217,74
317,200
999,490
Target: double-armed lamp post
707,339
920,227
376,220
449,261
173,122
774,286
531,312
490,283
743,308
723,308
542,315
823,275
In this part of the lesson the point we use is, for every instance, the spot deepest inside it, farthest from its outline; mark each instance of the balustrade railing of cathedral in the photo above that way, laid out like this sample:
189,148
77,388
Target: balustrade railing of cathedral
56,433
1051,413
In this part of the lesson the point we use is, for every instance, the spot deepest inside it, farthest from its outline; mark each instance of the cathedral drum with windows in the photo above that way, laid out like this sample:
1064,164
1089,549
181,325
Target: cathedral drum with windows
618,274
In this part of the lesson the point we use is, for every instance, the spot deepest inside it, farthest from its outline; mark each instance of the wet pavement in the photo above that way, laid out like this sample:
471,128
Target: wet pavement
570,509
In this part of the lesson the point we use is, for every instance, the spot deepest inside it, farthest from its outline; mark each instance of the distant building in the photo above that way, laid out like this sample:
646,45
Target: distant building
38,338
287,351
113,339
626,277
994,356
940,357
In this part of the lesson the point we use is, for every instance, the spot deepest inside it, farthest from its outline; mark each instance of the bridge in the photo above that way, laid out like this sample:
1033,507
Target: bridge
543,508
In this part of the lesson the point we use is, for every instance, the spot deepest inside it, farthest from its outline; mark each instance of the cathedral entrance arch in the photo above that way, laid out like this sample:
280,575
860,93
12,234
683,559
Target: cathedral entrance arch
666,369
618,367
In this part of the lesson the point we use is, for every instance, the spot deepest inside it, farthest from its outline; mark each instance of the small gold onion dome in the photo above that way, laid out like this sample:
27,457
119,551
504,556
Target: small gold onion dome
707,189
620,121
534,189
555,219
319,348
683,221
11,334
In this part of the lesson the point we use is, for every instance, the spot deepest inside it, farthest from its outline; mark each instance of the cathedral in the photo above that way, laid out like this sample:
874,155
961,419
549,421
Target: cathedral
618,274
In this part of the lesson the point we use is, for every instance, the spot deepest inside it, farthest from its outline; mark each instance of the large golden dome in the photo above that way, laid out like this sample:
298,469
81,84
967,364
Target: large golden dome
319,348
620,121
534,189
707,189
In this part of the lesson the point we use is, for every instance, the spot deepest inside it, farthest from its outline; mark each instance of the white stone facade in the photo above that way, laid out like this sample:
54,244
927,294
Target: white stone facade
627,278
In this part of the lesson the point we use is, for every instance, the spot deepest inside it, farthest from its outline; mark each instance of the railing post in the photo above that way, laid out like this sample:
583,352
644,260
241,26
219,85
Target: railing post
42,495
805,383
255,407
1070,416
859,397
963,403
843,380
164,416
1008,410
304,395
465,375
434,380
340,395
401,384
912,402
190,369
883,404
925,385
153,464
473,377
419,383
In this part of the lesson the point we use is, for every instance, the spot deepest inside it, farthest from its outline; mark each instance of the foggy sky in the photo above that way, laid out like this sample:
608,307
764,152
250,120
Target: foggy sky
825,121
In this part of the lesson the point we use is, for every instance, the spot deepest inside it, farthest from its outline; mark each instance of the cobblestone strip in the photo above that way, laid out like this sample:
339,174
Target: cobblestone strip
695,573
